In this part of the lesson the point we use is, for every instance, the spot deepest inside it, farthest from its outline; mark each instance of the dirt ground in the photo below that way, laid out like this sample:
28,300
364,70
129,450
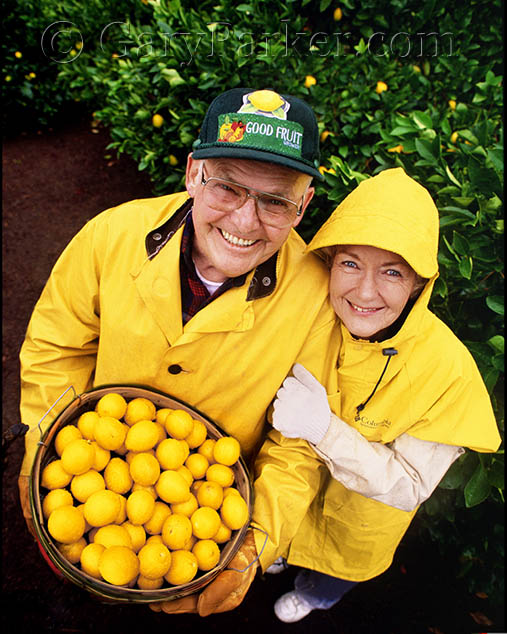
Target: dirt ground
53,182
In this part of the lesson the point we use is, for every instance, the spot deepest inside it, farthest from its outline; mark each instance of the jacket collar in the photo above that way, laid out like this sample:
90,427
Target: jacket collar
263,282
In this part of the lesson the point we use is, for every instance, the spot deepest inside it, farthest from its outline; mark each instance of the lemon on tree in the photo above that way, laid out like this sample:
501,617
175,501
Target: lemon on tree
154,560
111,404
66,524
118,565
83,485
54,499
176,531
183,567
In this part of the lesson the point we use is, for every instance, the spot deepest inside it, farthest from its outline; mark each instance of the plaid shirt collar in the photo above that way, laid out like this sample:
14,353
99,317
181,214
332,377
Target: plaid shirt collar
263,282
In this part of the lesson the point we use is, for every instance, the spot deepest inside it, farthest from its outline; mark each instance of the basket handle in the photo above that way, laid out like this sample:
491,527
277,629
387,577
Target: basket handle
71,387
263,545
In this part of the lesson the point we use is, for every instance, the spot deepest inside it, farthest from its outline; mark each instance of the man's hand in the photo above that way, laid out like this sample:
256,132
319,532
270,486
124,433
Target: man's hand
225,592
301,409
24,496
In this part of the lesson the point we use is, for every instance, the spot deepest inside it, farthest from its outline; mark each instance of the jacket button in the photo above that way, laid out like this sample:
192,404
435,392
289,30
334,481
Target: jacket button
174,369
157,236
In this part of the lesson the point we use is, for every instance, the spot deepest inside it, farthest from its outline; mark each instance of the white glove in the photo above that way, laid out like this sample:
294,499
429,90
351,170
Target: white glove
301,409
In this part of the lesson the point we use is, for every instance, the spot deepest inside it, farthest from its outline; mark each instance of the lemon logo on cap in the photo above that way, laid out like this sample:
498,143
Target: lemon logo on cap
265,102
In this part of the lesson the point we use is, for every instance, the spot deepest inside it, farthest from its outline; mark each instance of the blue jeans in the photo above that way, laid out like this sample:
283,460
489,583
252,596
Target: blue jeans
319,590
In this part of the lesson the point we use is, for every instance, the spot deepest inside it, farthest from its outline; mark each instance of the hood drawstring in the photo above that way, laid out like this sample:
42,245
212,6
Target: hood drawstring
387,352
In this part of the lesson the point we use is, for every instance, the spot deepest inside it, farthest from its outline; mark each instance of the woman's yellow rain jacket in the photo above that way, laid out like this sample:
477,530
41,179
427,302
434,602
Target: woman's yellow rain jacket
432,390
110,313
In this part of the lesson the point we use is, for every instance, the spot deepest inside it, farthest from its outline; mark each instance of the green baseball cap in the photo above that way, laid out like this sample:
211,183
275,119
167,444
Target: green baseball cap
261,125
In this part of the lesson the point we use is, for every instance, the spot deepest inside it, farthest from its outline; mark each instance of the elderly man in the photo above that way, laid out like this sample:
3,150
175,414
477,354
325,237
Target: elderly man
205,294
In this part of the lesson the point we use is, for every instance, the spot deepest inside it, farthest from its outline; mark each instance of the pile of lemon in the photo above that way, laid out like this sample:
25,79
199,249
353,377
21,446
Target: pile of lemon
139,496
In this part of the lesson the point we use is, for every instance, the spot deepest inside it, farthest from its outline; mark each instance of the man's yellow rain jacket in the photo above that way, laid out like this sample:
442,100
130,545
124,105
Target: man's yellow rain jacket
431,390
110,313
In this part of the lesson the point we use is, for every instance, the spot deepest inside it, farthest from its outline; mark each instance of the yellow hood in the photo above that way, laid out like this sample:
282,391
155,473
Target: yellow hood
389,211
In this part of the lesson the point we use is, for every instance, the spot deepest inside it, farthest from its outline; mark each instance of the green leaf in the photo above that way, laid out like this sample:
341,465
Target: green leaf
451,176
422,120
424,149
460,244
477,488
324,5
465,267
497,342
496,304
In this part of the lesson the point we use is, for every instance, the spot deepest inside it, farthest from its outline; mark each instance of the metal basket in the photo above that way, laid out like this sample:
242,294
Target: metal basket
108,592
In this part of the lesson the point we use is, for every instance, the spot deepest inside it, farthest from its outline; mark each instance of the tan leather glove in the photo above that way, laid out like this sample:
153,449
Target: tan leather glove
225,592
24,496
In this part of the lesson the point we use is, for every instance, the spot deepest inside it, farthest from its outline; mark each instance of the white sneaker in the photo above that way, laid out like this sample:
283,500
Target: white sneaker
277,566
291,607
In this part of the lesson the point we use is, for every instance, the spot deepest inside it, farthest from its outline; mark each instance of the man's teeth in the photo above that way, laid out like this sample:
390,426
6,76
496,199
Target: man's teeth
363,310
240,242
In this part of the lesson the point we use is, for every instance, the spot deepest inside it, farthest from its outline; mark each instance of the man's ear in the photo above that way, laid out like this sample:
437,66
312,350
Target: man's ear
306,200
191,175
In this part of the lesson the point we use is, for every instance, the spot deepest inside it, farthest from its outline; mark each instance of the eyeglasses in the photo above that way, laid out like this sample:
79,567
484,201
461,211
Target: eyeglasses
225,195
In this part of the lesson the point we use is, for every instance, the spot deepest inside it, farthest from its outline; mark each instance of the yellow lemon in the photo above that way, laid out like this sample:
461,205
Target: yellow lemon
157,120
186,473
142,436
122,513
186,508
310,81
72,552
141,487
196,484
324,135
452,104
183,568
66,524
205,522
89,559
54,499
206,449
162,414
197,464
234,512
66,435
220,473
207,554
266,100
179,424
111,404
154,525
140,507
139,409
54,476
113,535
154,560
110,433
337,14
78,456
210,494
86,424
176,531
189,544
170,453
380,87
172,487
231,491
143,583
102,456
162,434
226,450
173,160
137,535
130,455
454,137
144,469
155,539
117,476
223,534
83,485
102,507
198,434
80,508
118,565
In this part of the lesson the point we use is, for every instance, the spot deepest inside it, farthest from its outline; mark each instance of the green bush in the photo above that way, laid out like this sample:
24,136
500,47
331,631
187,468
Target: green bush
393,83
